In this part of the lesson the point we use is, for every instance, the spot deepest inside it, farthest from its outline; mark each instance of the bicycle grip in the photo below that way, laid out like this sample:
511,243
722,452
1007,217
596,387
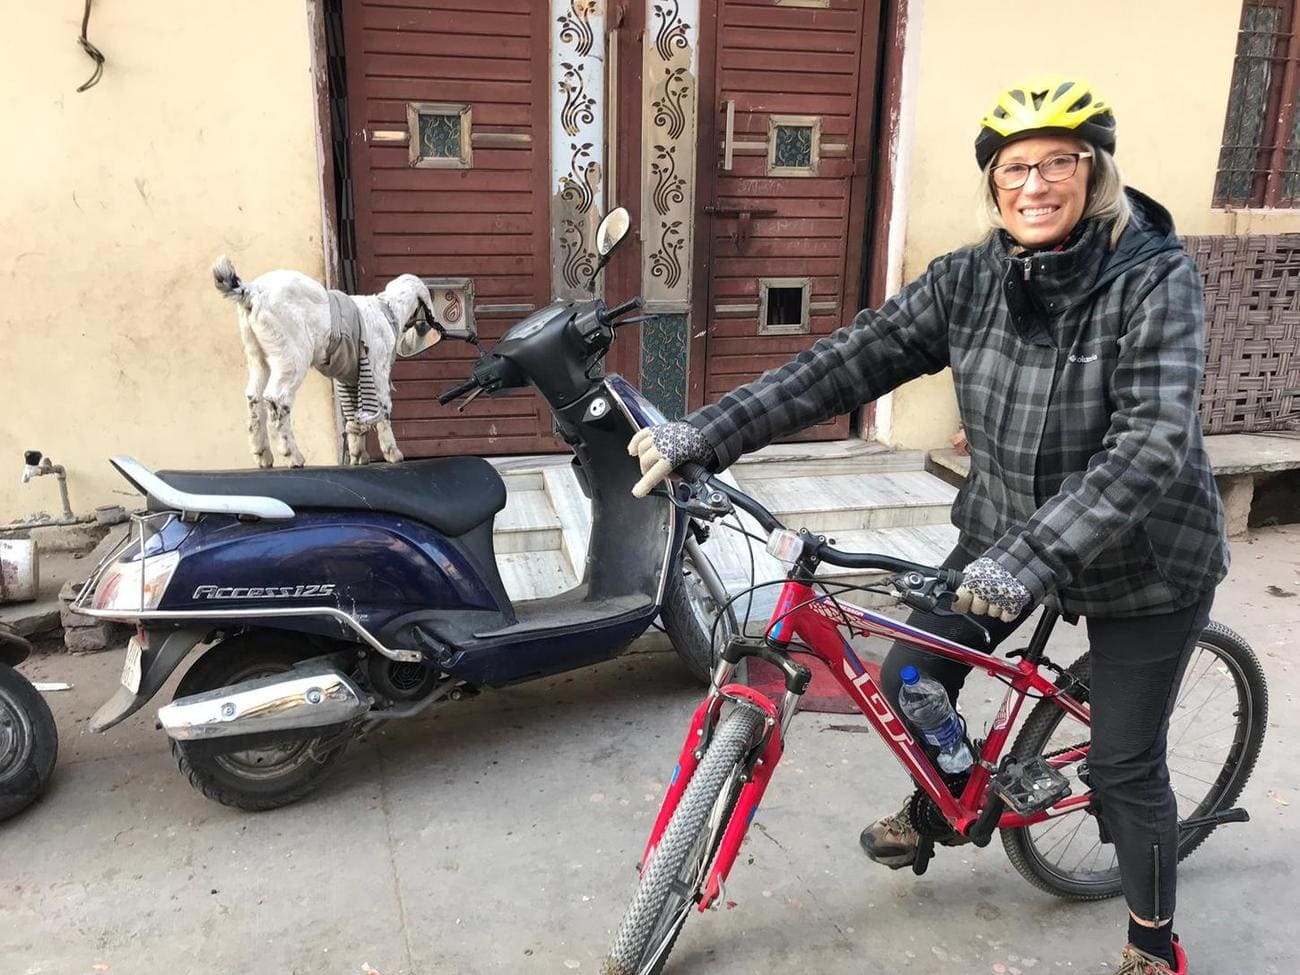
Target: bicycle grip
692,471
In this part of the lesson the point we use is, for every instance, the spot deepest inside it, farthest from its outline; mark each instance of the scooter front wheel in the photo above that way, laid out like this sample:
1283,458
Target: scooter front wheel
688,615
255,772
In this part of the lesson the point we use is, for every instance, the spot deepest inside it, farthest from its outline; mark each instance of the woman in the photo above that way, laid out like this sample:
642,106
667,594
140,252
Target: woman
1075,335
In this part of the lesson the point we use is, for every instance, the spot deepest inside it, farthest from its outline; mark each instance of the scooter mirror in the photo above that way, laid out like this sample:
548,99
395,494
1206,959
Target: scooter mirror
612,229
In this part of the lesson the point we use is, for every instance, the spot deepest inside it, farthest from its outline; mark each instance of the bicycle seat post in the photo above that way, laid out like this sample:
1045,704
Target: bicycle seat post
1038,642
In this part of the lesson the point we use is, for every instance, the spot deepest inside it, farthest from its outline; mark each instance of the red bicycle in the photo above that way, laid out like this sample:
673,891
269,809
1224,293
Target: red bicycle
1036,793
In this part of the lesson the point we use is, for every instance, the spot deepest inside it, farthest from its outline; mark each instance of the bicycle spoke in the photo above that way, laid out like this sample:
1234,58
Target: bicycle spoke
1189,687
1054,823
1194,778
1191,718
1068,838
1087,853
1214,693
1216,731
1217,763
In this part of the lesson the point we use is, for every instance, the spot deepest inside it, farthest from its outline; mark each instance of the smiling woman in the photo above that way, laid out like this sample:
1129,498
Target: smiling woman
1041,188
1075,334
1041,175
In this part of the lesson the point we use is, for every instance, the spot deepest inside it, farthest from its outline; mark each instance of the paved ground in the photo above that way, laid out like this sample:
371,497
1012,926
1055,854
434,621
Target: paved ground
499,835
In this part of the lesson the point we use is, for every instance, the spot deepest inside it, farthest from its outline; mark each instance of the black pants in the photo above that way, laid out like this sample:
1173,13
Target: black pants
1137,665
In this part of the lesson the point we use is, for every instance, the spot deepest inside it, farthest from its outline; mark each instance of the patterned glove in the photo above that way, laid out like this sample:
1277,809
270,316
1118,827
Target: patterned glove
987,589
665,448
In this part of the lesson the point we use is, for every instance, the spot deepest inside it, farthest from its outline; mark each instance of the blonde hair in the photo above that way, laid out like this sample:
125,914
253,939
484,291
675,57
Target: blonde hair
1106,199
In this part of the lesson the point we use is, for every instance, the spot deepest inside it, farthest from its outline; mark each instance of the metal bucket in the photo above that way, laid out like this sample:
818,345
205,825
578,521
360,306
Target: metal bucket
20,576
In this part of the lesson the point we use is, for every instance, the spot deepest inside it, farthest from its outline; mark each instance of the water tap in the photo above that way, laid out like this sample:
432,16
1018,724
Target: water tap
35,465
32,465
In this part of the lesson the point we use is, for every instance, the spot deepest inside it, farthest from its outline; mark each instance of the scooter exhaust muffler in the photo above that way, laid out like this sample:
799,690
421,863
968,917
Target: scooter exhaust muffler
303,698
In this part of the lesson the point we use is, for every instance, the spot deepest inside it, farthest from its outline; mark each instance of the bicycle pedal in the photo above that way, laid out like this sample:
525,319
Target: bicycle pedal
1030,787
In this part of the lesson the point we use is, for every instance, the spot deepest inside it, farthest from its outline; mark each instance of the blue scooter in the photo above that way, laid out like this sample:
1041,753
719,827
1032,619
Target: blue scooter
332,599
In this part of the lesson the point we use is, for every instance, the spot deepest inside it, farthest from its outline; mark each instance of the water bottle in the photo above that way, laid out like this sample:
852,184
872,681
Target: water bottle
925,702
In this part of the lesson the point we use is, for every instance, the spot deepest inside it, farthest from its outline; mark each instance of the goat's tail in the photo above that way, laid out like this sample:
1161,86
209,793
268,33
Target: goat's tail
228,283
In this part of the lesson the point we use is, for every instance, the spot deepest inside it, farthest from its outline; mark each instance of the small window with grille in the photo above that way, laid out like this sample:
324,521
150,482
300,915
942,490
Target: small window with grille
793,145
1259,163
783,306
439,135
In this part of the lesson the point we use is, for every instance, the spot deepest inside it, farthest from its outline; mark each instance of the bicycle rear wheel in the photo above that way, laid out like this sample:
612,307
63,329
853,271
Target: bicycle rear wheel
671,881
1215,733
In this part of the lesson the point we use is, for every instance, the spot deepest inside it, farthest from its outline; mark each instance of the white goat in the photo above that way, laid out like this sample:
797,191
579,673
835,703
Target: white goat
289,324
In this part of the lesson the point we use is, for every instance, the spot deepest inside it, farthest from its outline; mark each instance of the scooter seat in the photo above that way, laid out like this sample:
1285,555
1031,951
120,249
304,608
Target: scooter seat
452,494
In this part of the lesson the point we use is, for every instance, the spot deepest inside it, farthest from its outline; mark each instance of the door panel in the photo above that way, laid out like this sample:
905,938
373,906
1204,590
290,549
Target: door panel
793,104
485,220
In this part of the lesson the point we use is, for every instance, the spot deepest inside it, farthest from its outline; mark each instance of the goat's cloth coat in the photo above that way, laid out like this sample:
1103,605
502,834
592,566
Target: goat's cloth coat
347,360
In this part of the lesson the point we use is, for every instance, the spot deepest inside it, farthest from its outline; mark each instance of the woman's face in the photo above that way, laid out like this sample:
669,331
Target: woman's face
1042,213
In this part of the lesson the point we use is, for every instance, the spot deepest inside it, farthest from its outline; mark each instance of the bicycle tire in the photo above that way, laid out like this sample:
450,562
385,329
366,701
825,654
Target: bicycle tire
684,846
1252,719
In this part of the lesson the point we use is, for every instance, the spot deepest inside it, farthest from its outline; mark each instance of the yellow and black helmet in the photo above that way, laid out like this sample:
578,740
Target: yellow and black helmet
1048,105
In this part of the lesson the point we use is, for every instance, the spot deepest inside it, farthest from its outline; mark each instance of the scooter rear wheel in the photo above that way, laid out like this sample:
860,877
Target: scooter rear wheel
29,742
255,772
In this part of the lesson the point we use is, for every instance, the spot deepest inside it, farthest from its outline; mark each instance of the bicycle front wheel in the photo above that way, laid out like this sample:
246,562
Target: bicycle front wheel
1215,733
671,881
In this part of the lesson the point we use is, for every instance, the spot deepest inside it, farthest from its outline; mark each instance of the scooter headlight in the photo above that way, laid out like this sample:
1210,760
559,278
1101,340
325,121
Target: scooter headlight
135,586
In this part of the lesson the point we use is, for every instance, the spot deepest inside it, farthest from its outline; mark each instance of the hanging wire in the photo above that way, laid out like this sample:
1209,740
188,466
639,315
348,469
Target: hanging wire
94,53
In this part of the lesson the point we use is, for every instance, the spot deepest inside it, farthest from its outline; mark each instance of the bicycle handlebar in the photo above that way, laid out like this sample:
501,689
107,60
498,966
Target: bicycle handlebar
701,480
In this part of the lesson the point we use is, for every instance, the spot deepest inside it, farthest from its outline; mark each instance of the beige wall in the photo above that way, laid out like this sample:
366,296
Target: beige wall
1165,66
113,203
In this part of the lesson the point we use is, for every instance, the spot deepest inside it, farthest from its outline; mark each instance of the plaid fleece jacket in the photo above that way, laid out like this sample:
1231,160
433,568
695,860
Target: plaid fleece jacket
1077,375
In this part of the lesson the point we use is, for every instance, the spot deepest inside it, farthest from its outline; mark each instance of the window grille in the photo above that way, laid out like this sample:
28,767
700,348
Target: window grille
1259,164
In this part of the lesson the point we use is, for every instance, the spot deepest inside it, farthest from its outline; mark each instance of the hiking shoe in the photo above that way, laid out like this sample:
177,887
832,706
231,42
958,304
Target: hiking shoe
892,841
1135,962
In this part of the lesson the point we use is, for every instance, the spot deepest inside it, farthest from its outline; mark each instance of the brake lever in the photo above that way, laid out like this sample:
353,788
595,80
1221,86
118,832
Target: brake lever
716,505
932,596
634,320
471,398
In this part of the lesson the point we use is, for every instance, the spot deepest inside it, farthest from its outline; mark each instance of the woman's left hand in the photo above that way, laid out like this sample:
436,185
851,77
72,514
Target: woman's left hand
987,589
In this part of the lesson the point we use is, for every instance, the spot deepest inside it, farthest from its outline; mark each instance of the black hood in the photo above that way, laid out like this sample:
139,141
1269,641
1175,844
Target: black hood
1150,232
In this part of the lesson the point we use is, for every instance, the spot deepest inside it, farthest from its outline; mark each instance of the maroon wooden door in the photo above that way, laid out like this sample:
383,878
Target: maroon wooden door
449,150
784,202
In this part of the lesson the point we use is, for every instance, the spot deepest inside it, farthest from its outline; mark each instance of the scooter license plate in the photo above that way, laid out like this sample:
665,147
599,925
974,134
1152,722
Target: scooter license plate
131,668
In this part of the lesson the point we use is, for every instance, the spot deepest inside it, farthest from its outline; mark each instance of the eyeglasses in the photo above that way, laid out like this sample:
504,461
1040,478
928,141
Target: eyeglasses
1054,169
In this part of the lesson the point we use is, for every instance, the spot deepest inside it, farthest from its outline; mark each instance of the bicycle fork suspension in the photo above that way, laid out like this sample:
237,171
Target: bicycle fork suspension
755,773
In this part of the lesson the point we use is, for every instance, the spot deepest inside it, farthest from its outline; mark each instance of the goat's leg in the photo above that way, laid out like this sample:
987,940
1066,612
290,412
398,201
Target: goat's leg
388,442
357,452
280,394
258,374
383,422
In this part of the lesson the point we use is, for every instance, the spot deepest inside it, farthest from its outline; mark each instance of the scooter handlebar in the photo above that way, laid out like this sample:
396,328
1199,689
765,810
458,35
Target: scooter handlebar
458,392
632,304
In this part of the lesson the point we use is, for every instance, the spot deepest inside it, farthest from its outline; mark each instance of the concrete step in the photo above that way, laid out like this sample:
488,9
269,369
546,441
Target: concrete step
527,524
845,502
881,461
527,480
535,575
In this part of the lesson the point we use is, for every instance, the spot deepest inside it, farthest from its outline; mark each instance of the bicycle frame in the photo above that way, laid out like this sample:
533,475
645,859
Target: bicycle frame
814,620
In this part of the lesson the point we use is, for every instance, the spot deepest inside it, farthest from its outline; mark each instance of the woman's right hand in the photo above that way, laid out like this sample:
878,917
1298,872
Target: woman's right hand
664,448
